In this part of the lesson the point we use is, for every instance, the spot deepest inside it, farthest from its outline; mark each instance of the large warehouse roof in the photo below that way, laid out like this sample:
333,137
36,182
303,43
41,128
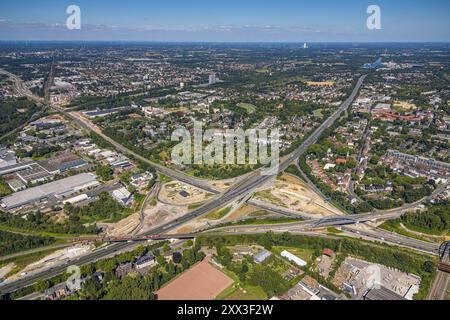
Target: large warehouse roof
55,188
382,293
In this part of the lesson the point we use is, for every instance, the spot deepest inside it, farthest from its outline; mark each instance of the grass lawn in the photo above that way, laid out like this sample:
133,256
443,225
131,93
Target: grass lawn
304,254
194,206
5,190
118,217
219,214
241,291
191,173
247,293
394,226
333,230
262,70
113,218
164,178
257,222
23,261
61,236
318,113
250,108
425,231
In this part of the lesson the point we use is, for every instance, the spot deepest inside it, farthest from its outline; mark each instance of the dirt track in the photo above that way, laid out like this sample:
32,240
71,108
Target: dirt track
202,282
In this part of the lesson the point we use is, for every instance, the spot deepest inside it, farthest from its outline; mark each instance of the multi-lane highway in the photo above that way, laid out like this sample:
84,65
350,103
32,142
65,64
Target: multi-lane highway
255,181
21,88
393,238
238,191
352,231
175,174
334,221
244,188
351,219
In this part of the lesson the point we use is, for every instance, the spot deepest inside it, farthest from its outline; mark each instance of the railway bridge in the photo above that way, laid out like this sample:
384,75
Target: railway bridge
444,254
134,238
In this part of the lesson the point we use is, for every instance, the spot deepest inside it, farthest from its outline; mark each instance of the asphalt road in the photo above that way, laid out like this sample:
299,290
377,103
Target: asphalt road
393,238
356,218
238,191
332,221
21,89
244,188
202,184
41,249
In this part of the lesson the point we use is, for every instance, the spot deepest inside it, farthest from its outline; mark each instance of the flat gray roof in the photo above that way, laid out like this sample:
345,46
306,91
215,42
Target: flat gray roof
59,187
16,167
383,293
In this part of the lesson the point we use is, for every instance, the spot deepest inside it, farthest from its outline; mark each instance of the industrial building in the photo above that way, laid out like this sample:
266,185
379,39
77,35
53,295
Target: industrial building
19,175
122,195
7,158
63,162
15,168
293,258
108,112
35,173
365,280
382,294
51,192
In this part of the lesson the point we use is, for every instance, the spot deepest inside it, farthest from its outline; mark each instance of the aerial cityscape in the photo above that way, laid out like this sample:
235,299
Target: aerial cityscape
155,155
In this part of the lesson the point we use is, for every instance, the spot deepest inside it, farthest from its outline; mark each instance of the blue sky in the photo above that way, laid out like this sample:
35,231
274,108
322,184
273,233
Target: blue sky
231,20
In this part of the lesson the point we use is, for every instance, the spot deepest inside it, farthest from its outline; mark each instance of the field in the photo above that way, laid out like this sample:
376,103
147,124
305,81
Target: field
318,113
202,282
23,261
397,227
304,254
240,291
171,194
291,192
5,190
219,214
404,106
248,107
262,71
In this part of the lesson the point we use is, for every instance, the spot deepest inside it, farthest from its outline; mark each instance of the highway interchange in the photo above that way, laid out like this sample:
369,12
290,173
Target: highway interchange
240,190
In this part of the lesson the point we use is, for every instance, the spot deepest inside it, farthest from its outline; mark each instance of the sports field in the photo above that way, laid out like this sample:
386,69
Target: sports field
202,282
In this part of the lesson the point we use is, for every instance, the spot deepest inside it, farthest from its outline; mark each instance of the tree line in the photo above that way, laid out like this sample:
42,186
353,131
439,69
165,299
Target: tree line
11,242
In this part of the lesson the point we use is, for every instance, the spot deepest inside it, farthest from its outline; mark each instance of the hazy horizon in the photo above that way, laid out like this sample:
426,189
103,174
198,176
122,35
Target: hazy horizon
284,21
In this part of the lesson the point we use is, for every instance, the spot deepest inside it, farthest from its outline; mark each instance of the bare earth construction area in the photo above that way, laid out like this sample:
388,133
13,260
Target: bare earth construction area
202,282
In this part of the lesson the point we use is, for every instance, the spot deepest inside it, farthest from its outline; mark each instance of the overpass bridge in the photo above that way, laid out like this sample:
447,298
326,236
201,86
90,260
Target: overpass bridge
334,221
129,239
440,289
444,254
